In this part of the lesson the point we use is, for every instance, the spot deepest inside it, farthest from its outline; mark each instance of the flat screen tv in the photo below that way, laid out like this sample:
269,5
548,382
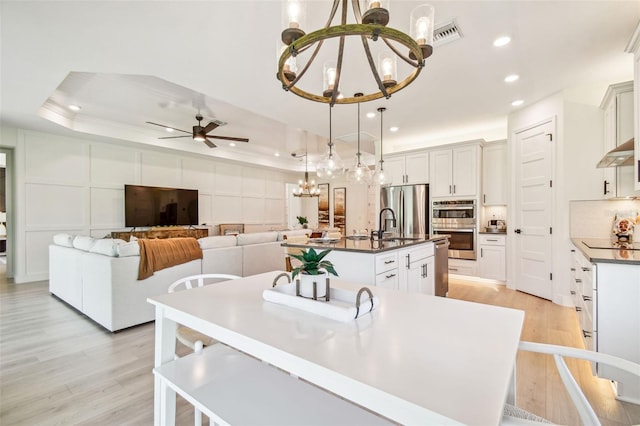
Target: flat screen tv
155,206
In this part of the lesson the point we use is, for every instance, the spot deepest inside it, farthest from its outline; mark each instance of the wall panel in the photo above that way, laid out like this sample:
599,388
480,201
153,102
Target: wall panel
54,159
228,179
113,166
274,211
55,207
205,208
198,174
37,253
253,182
253,210
227,209
158,169
107,208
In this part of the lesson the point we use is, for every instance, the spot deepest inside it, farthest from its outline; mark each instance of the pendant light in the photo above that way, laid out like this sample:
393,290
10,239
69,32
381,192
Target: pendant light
379,176
331,165
360,173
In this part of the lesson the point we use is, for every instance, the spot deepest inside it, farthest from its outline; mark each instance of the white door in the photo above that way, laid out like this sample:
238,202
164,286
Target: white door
533,203
394,169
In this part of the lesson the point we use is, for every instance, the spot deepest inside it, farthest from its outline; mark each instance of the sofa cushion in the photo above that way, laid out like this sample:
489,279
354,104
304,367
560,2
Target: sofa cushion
83,242
217,242
257,238
132,248
107,246
64,240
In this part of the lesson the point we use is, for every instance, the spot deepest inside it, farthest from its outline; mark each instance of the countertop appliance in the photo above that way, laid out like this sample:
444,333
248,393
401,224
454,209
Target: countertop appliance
442,267
410,204
458,219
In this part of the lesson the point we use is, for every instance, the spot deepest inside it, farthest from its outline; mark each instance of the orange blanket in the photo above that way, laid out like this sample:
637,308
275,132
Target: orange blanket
158,254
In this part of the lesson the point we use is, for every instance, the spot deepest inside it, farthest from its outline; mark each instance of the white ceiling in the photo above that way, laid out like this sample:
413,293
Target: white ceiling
128,62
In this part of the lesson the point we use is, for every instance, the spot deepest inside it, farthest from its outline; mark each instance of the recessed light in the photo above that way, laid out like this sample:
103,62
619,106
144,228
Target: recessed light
502,41
75,108
371,114
277,154
511,78
168,129
394,129
232,144
517,102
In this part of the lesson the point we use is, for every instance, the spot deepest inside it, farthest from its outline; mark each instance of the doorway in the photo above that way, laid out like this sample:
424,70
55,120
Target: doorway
533,209
6,213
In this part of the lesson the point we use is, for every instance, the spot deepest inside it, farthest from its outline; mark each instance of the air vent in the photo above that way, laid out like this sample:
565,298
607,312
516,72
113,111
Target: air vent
446,33
219,123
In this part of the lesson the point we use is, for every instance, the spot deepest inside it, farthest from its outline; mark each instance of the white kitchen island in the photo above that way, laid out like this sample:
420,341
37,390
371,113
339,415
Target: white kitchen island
416,359
396,263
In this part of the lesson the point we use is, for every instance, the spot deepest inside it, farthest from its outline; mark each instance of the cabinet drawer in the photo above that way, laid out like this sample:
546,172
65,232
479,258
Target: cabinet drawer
463,267
418,253
386,262
491,240
388,279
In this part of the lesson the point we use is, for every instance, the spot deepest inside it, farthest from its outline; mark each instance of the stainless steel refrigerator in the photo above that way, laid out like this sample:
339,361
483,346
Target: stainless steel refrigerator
410,203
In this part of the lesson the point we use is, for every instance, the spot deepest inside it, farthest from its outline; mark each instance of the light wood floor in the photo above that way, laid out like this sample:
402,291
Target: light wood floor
59,368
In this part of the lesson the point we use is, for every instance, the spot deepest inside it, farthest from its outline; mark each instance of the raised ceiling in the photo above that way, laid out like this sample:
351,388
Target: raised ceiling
128,62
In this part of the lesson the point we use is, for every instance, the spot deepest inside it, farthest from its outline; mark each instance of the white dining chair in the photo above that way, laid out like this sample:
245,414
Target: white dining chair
516,416
194,340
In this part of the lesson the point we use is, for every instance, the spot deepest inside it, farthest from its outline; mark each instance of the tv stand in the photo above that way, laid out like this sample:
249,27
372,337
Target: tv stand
162,232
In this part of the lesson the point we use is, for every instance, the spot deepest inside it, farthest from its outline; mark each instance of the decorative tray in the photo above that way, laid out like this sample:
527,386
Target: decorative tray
324,240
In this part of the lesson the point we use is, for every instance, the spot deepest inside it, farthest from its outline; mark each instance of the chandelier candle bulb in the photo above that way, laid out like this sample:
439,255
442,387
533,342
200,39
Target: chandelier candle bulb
422,22
293,19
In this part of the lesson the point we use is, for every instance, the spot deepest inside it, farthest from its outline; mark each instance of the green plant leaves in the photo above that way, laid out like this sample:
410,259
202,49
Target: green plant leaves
312,263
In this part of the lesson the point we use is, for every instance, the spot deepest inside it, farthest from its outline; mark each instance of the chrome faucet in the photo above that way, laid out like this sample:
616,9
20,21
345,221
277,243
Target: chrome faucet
383,228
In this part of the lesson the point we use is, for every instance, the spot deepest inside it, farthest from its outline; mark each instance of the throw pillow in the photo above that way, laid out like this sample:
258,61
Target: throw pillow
132,248
107,246
64,240
83,242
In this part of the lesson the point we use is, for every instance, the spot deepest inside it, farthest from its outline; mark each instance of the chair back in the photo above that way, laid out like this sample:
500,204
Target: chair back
199,281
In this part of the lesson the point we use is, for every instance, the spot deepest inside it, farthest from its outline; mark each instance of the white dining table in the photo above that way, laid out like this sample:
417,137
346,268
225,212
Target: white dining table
416,359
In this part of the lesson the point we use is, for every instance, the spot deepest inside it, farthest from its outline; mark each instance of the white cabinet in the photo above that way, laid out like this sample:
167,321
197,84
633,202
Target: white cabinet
606,296
634,48
386,265
463,267
453,172
618,128
408,168
417,269
494,174
491,263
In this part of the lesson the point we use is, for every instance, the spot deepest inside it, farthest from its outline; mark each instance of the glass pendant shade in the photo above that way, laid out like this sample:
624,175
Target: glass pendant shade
359,173
330,166
387,68
290,66
380,177
293,20
422,24
328,78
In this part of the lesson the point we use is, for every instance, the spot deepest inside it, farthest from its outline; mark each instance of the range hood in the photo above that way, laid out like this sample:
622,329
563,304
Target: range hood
622,155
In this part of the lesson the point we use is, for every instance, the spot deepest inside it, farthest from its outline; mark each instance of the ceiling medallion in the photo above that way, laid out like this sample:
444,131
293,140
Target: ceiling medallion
369,26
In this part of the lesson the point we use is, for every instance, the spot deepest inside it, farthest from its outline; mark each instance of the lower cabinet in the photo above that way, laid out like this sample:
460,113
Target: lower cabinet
417,269
606,298
492,257
463,267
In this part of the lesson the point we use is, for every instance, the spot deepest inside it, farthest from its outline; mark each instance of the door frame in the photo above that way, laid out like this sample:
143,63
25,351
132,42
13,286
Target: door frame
10,204
512,152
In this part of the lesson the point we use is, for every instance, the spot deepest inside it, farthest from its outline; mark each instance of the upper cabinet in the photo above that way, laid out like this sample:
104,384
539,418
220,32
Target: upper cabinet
618,128
453,172
634,48
494,174
407,168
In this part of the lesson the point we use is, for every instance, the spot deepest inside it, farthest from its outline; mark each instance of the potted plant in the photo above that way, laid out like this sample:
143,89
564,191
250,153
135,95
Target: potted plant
313,269
302,220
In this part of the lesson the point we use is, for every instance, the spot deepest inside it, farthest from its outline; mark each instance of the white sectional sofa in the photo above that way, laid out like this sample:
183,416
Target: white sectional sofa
99,277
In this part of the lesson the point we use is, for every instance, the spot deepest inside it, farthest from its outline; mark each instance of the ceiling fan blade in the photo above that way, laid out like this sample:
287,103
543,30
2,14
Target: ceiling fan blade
209,143
209,127
167,127
228,138
174,137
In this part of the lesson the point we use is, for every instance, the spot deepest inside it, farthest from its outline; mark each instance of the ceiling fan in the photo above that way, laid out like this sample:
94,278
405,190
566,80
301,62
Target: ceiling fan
199,133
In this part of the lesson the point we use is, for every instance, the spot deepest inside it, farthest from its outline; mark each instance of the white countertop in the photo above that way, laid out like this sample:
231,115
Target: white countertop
414,356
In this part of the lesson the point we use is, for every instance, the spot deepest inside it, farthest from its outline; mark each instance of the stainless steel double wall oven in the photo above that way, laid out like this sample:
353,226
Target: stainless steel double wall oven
458,219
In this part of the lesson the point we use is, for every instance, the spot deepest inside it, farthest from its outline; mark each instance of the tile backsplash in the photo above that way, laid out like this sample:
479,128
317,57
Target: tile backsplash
594,219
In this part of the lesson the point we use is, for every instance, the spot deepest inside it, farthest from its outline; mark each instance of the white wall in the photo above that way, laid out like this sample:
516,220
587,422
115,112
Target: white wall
76,185
577,148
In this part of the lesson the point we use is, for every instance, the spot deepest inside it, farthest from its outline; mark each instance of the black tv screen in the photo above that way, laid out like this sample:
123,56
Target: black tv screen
155,206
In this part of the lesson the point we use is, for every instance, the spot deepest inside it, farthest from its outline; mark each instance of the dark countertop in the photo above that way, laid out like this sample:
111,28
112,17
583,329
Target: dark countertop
620,256
365,245
493,233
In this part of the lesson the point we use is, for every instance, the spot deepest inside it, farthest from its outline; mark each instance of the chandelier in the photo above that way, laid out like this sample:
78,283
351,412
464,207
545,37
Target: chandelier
306,187
370,26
